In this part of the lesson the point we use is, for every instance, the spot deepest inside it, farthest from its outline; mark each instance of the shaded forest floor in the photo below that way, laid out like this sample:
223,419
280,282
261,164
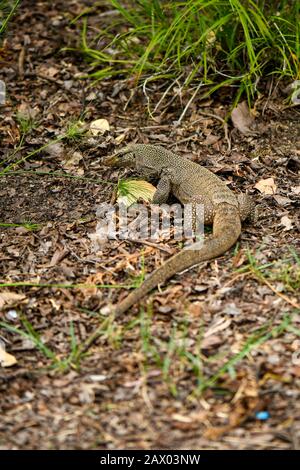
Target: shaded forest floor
211,360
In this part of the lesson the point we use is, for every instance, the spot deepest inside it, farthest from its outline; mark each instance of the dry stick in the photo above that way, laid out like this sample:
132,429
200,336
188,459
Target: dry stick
166,92
132,93
62,286
57,82
90,340
21,61
174,97
147,97
114,196
167,126
284,297
225,126
269,95
167,105
232,280
182,141
153,245
188,104
125,129
163,96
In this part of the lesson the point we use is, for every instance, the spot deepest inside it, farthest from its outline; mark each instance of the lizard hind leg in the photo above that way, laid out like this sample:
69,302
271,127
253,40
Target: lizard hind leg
246,207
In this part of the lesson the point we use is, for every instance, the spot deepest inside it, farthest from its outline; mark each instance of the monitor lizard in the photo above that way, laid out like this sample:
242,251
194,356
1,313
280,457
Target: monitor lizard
189,182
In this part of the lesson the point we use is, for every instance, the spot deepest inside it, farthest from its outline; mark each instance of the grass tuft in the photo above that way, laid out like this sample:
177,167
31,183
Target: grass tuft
216,43
7,10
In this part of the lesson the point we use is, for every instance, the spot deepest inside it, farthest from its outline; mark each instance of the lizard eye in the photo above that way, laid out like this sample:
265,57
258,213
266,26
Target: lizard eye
127,160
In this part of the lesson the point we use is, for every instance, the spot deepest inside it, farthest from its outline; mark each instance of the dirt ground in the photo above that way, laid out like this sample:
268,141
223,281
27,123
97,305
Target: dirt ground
232,324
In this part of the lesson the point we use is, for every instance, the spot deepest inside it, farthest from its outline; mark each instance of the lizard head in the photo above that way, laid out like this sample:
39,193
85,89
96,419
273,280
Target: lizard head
139,157
123,159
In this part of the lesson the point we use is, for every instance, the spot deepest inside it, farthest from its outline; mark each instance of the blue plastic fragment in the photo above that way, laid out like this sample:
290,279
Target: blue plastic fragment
262,415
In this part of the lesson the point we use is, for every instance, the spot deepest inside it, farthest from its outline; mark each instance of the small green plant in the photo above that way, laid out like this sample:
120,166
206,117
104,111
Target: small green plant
30,334
75,131
76,351
108,331
9,168
26,123
259,337
130,191
138,279
175,357
149,349
285,271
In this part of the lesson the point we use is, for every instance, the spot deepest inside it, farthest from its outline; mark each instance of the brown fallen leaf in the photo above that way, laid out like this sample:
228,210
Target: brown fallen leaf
26,112
71,163
6,359
218,325
296,371
211,139
286,222
119,139
58,255
243,405
211,342
282,200
55,150
8,298
266,186
243,119
47,71
295,189
99,126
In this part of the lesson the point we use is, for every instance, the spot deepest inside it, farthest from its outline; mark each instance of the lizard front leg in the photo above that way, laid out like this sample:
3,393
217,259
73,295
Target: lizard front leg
163,190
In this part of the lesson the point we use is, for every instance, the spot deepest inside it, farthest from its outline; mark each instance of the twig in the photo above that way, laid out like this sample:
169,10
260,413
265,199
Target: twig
188,104
147,97
21,60
182,141
232,280
284,297
153,245
262,279
166,92
122,130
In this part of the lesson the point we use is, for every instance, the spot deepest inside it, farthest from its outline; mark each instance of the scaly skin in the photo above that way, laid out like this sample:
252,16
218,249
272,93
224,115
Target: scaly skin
189,182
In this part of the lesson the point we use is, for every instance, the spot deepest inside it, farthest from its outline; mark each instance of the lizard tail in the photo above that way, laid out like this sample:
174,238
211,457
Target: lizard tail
226,231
